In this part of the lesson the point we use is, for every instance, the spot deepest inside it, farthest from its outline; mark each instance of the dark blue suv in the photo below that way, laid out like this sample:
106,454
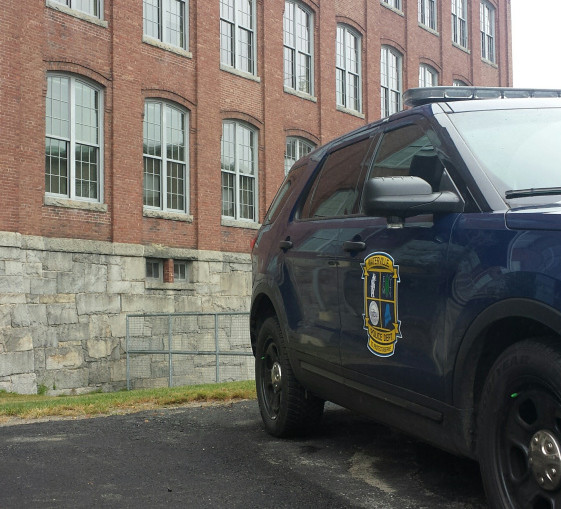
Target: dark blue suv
411,271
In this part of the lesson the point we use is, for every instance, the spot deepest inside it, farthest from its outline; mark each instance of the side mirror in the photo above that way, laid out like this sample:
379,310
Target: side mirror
406,197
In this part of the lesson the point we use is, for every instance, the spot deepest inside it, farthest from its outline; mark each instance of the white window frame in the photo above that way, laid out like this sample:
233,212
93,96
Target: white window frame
162,23
344,72
428,76
391,84
394,4
299,55
231,18
302,147
71,140
428,14
74,5
459,23
487,26
236,173
164,159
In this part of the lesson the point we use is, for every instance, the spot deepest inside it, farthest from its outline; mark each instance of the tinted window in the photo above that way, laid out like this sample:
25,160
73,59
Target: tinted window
337,188
408,151
283,194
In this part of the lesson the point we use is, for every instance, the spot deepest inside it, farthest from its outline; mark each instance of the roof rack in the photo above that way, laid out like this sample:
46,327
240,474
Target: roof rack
427,95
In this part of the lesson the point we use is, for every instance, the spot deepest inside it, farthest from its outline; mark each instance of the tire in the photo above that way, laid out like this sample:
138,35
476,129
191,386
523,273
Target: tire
287,409
519,427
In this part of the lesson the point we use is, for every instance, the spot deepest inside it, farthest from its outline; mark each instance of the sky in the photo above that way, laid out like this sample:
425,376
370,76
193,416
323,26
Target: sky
536,43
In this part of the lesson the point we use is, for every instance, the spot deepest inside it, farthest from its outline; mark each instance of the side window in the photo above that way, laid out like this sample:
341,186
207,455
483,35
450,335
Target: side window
408,151
336,191
283,193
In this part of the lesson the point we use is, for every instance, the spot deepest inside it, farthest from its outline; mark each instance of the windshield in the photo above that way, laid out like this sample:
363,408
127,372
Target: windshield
518,149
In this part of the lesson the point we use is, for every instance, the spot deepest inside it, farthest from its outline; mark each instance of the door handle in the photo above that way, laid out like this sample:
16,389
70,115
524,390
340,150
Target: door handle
353,246
285,244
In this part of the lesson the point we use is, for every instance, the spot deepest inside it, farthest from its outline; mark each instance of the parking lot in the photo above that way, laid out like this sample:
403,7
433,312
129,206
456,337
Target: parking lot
219,456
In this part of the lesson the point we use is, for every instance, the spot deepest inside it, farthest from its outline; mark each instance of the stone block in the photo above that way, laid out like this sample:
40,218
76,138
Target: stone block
64,358
25,315
83,278
147,304
74,380
43,286
15,363
20,340
23,384
77,332
58,314
89,304
57,261
13,268
133,269
14,284
129,287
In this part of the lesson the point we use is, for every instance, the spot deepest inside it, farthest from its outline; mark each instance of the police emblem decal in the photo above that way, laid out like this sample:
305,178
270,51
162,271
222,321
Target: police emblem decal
381,278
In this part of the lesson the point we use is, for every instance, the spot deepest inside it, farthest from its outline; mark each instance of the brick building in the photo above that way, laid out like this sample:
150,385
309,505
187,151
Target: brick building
142,142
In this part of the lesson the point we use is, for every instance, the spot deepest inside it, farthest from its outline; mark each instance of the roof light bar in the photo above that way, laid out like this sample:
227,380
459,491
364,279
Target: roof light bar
427,95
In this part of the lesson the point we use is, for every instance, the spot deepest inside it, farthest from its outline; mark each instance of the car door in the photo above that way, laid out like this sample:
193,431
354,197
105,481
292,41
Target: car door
313,249
394,279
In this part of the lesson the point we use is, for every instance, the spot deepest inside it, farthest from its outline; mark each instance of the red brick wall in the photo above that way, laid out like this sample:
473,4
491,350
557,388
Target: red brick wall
35,39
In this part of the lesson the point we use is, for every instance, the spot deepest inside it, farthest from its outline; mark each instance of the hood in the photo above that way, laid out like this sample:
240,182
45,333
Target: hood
534,218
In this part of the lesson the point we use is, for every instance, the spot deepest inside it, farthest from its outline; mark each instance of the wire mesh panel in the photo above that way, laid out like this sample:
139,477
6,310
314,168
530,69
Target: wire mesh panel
188,348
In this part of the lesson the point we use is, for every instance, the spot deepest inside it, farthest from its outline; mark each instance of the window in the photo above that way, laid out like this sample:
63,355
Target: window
459,83
179,270
165,156
428,77
239,170
91,7
348,68
237,34
166,21
336,191
487,12
73,145
395,4
427,13
154,269
408,151
459,22
391,80
295,149
298,33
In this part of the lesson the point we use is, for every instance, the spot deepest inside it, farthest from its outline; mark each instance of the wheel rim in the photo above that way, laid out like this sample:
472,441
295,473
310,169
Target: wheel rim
529,452
271,380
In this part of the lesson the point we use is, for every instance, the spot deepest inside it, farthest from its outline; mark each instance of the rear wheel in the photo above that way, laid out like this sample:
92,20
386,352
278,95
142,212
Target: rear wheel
287,409
519,428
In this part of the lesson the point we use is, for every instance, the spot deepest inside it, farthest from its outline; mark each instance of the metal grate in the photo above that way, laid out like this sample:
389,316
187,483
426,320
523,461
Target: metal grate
187,348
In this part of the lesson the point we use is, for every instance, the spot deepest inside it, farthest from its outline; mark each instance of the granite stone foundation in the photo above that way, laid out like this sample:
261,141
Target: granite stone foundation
63,306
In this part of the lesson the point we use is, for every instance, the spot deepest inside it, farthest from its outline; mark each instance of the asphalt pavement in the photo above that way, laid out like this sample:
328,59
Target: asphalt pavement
220,456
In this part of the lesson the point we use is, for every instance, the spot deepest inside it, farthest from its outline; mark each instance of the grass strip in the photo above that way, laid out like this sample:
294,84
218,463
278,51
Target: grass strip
38,406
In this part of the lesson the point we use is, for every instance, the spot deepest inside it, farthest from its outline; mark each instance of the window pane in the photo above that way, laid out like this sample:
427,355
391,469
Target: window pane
56,166
174,22
228,206
57,107
176,186
86,171
152,179
227,43
87,110
152,129
152,18
90,7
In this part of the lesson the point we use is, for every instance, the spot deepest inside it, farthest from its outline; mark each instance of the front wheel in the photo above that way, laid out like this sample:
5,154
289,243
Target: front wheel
287,409
519,428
